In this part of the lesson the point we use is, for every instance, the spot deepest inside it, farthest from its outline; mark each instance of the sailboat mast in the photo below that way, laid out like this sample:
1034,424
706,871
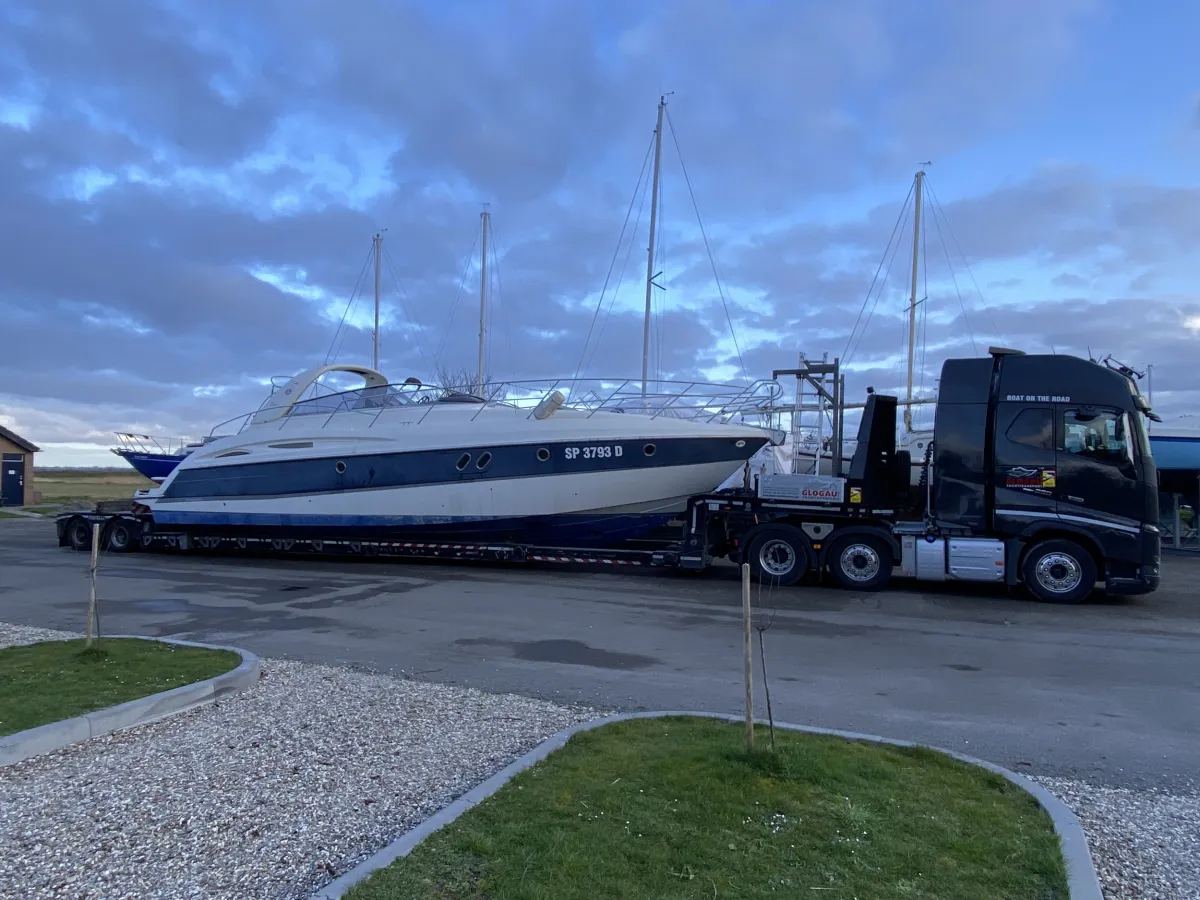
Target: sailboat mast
378,248
483,217
662,105
912,300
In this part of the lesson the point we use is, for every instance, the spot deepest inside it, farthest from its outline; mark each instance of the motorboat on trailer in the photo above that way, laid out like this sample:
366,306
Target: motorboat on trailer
502,462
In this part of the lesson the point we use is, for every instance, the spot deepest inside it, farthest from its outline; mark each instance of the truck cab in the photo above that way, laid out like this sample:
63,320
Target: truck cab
1049,454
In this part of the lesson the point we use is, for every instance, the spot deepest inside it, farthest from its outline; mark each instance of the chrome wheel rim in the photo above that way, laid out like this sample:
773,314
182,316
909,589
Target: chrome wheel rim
777,557
1059,573
859,562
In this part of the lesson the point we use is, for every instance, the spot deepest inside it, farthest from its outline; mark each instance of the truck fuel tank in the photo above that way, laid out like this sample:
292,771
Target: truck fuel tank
952,559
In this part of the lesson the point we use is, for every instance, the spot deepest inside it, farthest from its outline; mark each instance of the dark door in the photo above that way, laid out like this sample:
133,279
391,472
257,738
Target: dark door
12,479
1098,467
1024,465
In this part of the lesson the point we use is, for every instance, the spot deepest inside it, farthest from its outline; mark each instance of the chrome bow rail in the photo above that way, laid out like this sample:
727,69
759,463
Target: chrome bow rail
129,442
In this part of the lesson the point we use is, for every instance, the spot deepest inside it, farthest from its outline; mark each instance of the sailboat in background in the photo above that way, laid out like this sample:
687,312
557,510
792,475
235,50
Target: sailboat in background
809,449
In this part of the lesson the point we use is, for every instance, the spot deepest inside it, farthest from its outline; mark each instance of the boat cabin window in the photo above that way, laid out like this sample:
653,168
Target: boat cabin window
459,397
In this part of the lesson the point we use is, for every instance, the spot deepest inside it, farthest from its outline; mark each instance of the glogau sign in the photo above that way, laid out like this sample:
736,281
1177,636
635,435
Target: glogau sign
813,488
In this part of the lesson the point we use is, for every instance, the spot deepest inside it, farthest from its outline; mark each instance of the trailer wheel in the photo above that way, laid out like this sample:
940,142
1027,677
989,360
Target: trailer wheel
79,534
1059,571
860,562
778,554
122,536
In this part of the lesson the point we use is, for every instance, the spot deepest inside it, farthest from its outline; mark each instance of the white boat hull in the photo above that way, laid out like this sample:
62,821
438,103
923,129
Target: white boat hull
605,505
572,478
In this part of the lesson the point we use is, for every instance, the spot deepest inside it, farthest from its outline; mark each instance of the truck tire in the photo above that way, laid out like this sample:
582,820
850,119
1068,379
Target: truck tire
122,536
1059,571
860,562
778,554
79,534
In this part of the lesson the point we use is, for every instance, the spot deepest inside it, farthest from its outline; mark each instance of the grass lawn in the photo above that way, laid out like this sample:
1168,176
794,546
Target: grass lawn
55,680
675,808
86,486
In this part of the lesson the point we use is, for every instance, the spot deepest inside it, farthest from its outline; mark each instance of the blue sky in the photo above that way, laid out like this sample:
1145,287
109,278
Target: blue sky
190,190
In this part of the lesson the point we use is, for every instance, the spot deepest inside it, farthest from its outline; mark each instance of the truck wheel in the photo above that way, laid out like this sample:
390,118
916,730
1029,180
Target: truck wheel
79,534
122,536
860,562
1059,571
778,554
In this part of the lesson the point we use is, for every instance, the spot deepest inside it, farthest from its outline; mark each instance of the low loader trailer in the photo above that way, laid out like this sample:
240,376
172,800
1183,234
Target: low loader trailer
1039,474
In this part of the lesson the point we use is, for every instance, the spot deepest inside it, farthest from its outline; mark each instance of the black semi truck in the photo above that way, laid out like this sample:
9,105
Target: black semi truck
1039,473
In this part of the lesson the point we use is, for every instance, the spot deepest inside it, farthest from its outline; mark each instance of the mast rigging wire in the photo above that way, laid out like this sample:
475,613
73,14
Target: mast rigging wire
349,305
612,264
707,246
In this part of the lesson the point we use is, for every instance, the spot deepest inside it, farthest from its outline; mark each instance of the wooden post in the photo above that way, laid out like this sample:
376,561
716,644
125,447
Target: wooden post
749,652
91,616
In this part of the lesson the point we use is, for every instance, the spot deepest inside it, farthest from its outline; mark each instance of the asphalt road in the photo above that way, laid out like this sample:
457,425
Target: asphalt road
1108,692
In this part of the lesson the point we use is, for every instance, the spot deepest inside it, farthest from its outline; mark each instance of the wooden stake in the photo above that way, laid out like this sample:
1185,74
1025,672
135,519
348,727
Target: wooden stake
749,652
91,616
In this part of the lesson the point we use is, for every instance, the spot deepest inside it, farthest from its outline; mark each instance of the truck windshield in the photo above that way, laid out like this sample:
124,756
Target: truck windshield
1138,427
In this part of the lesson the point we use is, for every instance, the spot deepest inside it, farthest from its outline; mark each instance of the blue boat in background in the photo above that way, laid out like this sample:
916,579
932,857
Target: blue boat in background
1176,447
153,457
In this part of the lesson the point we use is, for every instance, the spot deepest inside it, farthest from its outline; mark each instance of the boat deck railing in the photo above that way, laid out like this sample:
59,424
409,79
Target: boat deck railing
695,401
153,444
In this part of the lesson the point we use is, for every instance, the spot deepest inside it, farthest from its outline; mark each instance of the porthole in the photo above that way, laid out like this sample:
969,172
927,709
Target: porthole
463,461
543,454
484,459
740,444
340,467
649,449
232,453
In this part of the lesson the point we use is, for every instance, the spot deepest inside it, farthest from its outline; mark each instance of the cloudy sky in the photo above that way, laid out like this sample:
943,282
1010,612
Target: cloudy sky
188,192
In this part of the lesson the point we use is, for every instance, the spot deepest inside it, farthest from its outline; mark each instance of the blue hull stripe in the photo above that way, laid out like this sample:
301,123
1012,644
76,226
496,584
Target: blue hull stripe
331,474
577,530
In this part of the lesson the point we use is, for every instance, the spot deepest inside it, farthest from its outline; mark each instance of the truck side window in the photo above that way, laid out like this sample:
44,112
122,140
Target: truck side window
1097,434
1033,428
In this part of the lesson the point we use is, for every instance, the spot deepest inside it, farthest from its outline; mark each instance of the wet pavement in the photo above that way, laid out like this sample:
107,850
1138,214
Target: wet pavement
1108,692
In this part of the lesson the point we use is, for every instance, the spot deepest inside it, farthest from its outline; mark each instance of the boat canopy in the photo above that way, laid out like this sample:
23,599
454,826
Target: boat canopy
281,402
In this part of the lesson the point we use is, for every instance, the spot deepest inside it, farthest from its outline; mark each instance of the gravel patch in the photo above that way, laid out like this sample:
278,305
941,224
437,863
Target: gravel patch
1145,844
14,635
268,794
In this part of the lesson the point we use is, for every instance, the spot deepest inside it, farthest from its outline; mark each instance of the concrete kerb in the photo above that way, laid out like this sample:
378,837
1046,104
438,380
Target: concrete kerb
1082,880
54,736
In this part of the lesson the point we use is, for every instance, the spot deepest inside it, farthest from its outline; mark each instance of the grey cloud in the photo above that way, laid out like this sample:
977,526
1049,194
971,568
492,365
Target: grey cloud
146,67
548,121
1059,215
